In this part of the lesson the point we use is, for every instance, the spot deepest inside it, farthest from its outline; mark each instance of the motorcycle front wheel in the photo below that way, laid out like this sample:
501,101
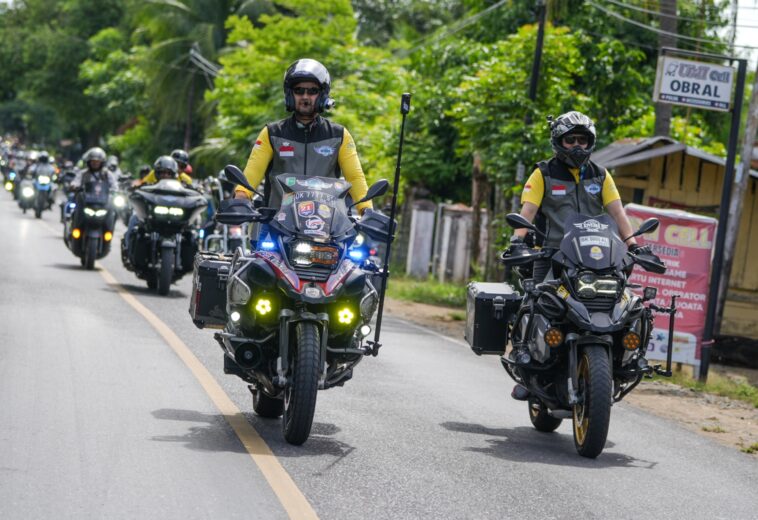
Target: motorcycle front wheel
166,273
592,414
90,253
300,394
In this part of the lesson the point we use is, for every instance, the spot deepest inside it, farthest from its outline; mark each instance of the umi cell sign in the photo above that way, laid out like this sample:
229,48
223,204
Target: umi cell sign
693,83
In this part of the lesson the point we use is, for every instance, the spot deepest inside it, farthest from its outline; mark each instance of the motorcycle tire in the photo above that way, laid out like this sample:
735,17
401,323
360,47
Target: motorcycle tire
37,213
152,283
302,388
24,210
592,415
166,273
90,253
266,406
541,420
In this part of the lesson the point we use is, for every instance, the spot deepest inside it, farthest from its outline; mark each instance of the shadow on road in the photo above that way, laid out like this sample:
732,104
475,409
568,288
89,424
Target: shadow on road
75,265
214,435
525,444
144,290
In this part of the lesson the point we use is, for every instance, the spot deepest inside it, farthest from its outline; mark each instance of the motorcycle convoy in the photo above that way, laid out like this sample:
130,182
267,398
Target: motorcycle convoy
293,289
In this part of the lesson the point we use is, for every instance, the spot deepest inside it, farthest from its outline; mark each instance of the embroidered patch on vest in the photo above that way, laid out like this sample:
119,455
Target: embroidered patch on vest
326,151
286,150
559,189
593,189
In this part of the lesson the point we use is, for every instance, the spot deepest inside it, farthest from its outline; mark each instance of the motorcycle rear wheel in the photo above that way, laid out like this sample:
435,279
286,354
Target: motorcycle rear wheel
266,406
541,420
166,273
301,391
592,415
90,253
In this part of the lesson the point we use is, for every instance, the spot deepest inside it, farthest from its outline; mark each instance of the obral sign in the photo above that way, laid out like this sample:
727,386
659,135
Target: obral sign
693,83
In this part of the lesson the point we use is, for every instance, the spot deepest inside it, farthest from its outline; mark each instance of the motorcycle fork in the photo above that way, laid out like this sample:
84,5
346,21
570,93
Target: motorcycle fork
573,379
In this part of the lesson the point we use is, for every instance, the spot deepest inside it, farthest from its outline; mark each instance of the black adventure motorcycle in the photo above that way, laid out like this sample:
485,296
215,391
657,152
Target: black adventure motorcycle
163,245
296,310
585,331
88,230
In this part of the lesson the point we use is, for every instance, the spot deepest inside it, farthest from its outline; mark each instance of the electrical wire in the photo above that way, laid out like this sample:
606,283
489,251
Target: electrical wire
676,17
659,31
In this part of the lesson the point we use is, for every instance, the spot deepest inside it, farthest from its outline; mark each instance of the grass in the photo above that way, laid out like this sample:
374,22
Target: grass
713,429
753,448
734,388
428,291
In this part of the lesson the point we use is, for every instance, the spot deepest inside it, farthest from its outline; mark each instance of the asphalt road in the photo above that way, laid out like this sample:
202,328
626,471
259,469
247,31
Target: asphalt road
102,417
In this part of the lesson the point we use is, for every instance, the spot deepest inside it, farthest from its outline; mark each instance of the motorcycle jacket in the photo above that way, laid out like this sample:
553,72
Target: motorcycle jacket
559,192
322,148
85,176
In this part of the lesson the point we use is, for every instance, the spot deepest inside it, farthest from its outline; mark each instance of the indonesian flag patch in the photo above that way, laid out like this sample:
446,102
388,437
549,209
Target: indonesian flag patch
559,189
258,144
527,188
286,150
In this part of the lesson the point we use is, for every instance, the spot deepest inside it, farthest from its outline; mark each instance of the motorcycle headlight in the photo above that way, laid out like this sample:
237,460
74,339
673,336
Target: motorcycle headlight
89,212
28,192
588,286
119,201
165,210
101,212
303,254
43,179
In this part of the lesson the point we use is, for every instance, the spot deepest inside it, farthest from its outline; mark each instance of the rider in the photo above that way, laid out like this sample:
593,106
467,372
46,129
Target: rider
168,164
568,183
306,143
182,160
94,171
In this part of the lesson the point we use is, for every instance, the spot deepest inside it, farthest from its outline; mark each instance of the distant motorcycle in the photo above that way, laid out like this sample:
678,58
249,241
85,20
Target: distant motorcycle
26,193
162,247
44,187
88,230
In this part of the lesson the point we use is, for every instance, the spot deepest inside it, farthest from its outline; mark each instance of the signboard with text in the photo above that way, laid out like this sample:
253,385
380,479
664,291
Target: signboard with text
693,83
684,241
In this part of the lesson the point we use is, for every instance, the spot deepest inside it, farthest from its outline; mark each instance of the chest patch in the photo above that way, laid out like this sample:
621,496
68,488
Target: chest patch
593,189
326,151
559,190
286,150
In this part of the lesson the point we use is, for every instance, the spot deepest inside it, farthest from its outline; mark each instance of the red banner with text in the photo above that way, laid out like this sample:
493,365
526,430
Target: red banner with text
684,241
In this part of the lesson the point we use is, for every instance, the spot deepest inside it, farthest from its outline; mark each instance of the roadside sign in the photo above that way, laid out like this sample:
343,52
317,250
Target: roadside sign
693,83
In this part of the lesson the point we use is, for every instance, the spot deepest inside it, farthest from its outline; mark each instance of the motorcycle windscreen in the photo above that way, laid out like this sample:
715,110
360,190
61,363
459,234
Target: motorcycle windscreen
96,193
593,242
170,192
312,206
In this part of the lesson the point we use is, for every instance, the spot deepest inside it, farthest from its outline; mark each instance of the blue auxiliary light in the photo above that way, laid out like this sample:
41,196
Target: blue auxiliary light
201,233
268,245
356,254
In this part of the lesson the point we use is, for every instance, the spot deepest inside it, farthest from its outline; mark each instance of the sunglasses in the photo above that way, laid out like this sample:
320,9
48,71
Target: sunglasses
576,139
311,91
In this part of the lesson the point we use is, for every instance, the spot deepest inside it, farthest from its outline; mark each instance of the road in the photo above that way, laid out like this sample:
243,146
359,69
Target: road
115,406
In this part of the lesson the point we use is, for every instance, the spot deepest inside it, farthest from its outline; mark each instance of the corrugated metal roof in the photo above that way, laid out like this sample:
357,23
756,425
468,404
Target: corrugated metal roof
634,150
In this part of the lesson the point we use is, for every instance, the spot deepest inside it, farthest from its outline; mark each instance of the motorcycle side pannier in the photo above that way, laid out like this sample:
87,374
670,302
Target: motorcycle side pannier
208,301
489,309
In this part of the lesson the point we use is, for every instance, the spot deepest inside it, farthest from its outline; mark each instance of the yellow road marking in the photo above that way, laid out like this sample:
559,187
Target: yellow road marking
291,498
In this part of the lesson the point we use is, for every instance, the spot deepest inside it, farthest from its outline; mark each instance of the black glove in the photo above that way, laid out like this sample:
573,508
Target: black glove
516,247
637,249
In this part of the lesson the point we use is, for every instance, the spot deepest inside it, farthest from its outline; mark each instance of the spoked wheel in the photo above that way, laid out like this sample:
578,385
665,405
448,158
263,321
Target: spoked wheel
266,406
541,420
300,394
166,274
592,415
90,253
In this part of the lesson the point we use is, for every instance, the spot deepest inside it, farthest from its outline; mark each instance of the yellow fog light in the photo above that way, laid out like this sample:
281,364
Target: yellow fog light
263,307
631,341
345,316
76,233
108,236
553,337
9,185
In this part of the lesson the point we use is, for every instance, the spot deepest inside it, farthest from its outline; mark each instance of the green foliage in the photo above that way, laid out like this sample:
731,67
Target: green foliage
366,81
734,388
428,291
692,133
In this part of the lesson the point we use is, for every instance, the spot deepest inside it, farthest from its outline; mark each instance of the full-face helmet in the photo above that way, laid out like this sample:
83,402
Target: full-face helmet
308,70
572,123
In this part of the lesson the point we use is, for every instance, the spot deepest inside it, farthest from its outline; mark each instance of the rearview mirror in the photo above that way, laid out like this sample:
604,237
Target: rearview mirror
648,226
516,221
380,187
235,175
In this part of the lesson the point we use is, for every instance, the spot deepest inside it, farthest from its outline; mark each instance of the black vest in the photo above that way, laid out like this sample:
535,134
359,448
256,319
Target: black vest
563,197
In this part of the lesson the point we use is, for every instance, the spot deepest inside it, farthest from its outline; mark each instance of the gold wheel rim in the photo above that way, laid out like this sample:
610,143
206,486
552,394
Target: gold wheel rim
581,421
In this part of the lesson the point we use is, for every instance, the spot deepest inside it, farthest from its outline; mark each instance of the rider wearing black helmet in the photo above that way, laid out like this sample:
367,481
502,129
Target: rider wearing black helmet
306,143
94,162
182,160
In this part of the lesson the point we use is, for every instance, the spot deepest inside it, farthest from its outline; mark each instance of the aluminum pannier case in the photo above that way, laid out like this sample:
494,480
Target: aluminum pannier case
208,300
490,307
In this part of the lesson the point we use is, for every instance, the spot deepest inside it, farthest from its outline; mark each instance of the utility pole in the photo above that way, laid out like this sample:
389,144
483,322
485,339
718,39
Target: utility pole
738,194
726,194
541,12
